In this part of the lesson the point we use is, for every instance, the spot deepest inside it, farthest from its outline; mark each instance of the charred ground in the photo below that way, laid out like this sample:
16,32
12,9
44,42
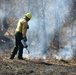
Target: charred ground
34,67
8,24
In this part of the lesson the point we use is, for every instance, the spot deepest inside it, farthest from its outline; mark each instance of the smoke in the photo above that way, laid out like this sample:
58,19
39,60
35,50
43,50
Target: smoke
36,40
48,16
56,12
65,53
2,14
33,24
62,12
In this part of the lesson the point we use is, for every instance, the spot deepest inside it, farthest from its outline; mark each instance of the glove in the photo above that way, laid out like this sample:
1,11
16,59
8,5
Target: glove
25,46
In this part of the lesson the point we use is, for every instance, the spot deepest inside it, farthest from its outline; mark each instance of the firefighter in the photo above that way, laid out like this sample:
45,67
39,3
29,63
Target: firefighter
20,34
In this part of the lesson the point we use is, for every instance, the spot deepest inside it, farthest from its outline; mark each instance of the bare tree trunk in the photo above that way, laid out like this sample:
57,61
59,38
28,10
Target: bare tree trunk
44,26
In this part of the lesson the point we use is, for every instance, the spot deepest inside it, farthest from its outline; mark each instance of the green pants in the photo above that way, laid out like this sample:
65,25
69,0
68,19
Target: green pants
18,46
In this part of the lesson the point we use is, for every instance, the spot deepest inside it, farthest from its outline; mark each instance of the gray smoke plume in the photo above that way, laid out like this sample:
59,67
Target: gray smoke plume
62,11
2,14
65,53
48,17
35,41
55,16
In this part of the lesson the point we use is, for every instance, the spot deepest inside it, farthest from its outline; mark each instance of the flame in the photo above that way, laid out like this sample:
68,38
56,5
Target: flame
26,56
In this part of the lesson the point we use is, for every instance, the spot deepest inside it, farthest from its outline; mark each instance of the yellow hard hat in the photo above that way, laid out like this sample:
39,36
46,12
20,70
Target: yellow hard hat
29,15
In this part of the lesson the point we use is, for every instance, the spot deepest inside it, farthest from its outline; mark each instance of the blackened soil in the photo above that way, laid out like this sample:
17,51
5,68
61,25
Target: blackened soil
24,67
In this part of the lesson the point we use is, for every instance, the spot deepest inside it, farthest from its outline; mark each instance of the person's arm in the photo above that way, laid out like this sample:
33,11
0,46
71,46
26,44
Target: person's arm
24,31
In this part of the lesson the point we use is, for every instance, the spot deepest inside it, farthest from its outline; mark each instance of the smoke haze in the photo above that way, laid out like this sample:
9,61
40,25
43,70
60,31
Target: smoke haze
55,17
2,14
49,18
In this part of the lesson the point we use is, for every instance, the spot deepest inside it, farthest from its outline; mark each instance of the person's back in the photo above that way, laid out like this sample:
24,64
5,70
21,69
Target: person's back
22,26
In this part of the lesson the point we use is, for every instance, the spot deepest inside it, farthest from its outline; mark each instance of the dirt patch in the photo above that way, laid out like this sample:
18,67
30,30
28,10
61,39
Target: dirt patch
34,67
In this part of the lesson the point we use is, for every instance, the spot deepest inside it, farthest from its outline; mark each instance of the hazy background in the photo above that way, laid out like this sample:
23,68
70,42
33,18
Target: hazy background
52,27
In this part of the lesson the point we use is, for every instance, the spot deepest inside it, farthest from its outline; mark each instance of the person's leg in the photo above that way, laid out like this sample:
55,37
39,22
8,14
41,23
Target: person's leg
20,46
14,52
20,51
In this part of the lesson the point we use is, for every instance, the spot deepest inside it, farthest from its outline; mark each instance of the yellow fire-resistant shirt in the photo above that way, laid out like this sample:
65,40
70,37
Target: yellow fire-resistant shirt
22,27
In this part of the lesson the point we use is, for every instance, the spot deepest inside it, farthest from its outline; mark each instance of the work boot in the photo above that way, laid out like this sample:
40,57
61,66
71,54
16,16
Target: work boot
11,58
